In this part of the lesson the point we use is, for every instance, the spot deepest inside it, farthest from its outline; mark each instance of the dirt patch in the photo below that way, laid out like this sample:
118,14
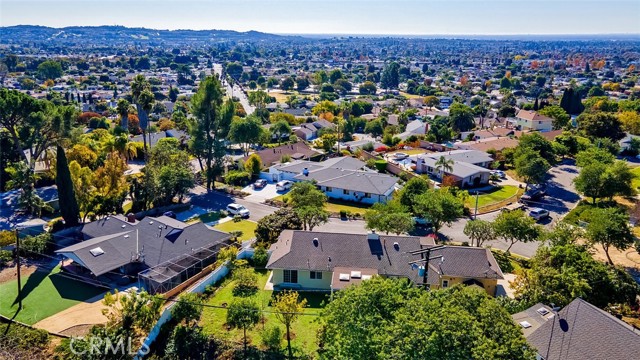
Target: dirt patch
628,258
11,273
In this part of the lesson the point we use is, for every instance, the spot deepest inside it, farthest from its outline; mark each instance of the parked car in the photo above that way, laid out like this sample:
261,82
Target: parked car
284,185
535,192
260,184
513,207
237,209
499,173
421,222
539,214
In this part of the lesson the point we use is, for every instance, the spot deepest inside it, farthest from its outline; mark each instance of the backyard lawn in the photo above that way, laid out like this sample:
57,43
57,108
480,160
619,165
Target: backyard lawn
247,227
335,206
498,195
304,329
44,293
636,181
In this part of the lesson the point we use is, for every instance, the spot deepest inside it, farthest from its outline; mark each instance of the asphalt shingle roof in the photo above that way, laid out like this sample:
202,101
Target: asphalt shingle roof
582,331
353,180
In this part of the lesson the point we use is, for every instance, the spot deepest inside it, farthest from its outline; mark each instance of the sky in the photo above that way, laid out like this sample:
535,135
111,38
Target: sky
390,17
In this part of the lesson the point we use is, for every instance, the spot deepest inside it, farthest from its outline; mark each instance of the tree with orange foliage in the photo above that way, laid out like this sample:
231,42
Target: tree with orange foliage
464,80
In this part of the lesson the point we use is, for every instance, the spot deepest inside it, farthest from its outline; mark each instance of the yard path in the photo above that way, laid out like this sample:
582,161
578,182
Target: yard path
84,313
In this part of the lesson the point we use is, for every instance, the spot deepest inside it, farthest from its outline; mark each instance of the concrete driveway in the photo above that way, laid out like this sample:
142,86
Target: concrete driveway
260,195
561,193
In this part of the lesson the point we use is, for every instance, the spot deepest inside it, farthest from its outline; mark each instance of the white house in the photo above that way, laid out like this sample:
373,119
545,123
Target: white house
531,120
468,168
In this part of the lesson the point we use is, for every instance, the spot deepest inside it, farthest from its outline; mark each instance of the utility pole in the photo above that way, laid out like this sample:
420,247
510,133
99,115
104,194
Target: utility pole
18,268
475,214
425,255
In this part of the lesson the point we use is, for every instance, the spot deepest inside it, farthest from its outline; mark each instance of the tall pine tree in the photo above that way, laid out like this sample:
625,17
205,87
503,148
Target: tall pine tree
66,194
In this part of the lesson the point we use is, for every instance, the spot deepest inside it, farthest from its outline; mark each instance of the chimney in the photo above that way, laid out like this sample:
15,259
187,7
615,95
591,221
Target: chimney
373,236
131,218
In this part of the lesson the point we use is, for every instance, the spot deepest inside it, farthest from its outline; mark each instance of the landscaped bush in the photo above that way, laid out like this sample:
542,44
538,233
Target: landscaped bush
381,165
272,338
503,260
33,246
98,123
56,225
7,237
237,178
260,257
246,282
5,257
22,338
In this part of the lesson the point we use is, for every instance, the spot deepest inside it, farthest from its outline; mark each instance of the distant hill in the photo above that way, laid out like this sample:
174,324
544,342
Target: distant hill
121,34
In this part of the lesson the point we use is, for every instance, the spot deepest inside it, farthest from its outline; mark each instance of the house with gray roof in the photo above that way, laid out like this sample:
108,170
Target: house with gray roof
124,245
578,331
469,168
332,261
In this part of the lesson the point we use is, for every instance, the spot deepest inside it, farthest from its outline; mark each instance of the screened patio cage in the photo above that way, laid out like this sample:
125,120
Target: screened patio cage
169,274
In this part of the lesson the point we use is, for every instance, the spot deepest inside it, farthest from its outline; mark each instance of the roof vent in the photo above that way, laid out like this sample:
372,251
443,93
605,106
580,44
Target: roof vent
344,277
525,324
96,251
315,242
126,236
373,236
542,311
123,226
396,245
356,274
150,222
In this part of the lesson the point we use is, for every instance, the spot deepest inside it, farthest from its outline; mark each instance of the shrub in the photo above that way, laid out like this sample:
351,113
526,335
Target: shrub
504,260
237,218
165,124
23,338
98,123
33,246
246,282
260,257
343,213
7,237
382,149
272,338
235,177
5,257
367,147
56,225
381,165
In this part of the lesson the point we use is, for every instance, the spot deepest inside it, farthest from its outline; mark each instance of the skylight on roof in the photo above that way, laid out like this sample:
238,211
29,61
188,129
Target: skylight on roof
345,277
356,274
542,311
525,324
96,251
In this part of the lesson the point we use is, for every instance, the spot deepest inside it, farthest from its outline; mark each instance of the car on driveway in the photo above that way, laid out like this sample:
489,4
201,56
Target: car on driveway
499,173
539,214
237,209
421,222
259,184
535,193
284,185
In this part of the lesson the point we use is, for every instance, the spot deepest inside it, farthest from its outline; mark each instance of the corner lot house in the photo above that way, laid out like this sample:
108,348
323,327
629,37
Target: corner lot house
332,261
578,331
161,248
297,151
469,166
531,120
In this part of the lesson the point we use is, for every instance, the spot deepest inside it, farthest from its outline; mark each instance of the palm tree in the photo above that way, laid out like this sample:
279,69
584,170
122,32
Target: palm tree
140,89
123,110
444,165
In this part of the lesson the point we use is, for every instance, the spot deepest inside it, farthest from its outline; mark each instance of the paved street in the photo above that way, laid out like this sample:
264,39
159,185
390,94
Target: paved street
235,91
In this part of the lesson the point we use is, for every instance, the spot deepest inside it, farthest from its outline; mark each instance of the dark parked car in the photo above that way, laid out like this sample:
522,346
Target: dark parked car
259,184
535,193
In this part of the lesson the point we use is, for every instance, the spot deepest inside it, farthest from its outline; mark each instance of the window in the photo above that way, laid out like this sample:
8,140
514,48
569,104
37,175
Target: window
345,192
291,276
445,284
328,189
316,275
367,195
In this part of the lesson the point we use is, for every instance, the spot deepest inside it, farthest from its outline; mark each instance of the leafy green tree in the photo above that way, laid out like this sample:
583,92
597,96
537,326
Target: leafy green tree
243,313
571,102
308,203
169,171
212,122
456,323
246,132
287,83
539,144
131,314
389,217
444,165
461,117
187,309
271,226
565,270
280,129
531,166
66,194
288,307
143,98
367,88
560,117
245,282
608,227
122,108
516,226
49,69
414,187
439,206
302,83
479,231
253,164
600,125
594,155
374,127
23,178
190,343
390,78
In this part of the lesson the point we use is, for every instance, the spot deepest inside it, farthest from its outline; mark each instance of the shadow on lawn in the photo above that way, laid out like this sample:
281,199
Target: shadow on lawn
72,290
32,282
315,300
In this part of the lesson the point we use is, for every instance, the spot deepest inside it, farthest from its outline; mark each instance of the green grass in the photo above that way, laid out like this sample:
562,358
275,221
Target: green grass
335,206
209,217
44,293
247,227
499,194
304,329
636,181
